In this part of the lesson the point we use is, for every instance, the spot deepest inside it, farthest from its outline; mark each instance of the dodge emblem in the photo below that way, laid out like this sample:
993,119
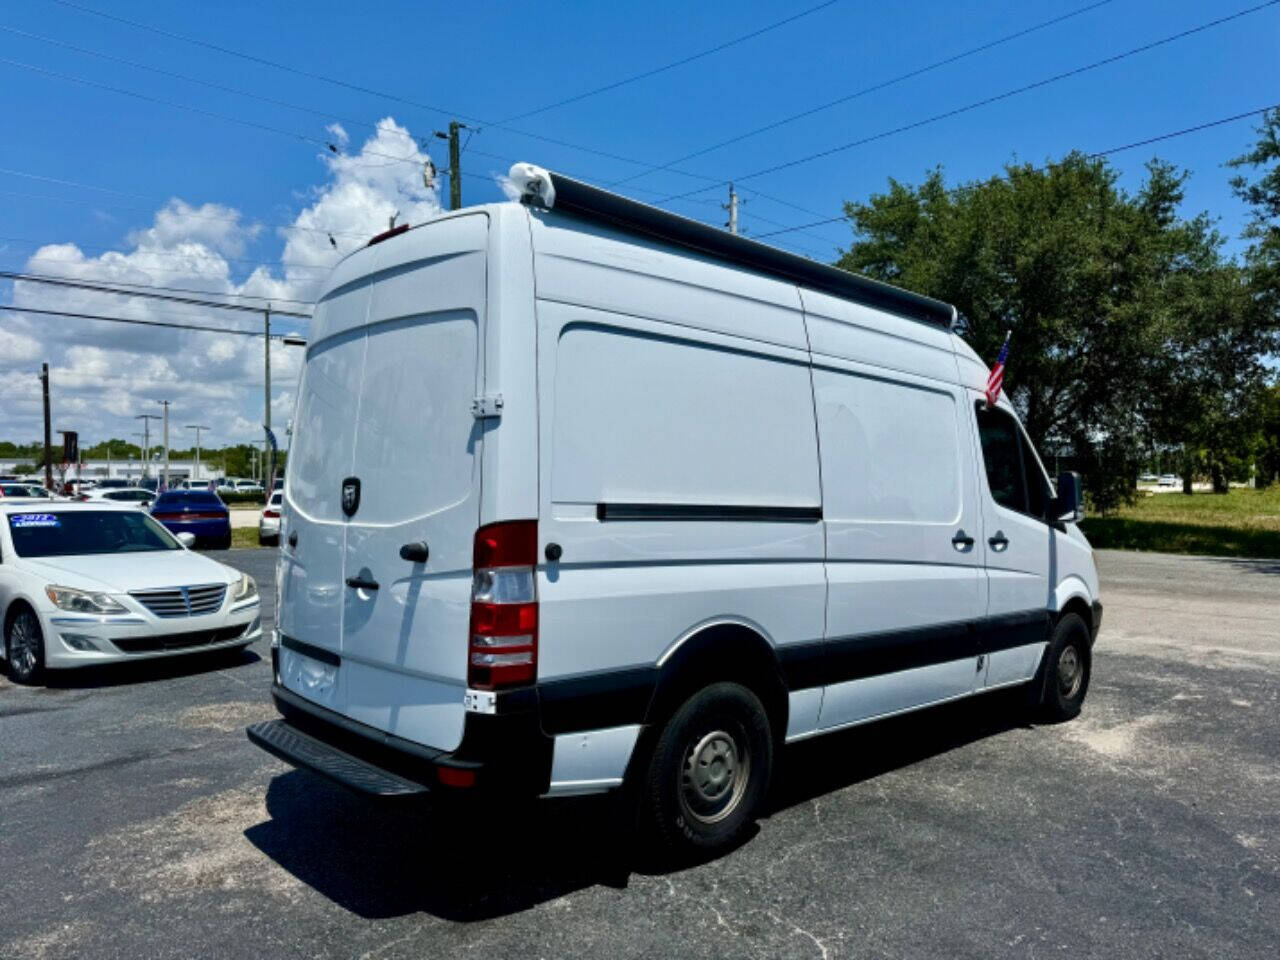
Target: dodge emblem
350,495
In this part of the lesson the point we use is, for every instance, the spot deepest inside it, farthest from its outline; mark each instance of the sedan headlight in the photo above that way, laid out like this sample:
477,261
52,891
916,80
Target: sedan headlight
82,601
245,589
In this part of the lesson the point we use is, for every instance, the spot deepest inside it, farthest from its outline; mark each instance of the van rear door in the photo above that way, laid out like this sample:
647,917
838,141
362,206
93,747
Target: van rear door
405,457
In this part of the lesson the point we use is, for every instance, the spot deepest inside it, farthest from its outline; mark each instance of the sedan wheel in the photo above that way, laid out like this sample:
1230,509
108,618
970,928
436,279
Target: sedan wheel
25,646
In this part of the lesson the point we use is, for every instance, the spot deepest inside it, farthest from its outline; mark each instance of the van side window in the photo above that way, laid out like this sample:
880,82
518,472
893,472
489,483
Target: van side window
1003,458
1013,474
1038,492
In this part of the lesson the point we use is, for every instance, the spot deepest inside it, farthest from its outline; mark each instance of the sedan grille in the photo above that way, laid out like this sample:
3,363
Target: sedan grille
183,601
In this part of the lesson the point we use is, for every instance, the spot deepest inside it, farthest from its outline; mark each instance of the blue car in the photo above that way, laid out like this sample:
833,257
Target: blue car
199,512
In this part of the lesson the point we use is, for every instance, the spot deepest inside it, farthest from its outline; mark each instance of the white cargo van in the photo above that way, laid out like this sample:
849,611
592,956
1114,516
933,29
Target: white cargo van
584,495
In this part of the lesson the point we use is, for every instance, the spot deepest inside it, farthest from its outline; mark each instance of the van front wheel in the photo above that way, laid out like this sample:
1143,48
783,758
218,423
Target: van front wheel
1063,679
709,771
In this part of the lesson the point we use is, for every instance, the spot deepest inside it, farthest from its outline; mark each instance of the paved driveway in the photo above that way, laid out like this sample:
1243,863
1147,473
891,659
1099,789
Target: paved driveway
136,821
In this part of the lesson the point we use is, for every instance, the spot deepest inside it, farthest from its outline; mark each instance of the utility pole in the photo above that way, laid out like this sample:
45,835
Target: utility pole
146,419
197,427
165,404
455,163
732,207
142,437
266,368
48,434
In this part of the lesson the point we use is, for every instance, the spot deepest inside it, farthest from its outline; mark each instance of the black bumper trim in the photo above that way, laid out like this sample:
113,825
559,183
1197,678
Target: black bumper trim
507,752
285,741
1097,620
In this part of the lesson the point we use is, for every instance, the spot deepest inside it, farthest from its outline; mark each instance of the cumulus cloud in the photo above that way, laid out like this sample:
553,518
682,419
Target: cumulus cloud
104,374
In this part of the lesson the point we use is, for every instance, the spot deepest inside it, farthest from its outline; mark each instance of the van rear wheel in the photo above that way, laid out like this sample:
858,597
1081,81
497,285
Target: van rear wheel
709,771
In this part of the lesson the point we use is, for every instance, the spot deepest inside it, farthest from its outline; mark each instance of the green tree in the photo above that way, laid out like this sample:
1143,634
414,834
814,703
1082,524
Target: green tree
1116,304
1262,194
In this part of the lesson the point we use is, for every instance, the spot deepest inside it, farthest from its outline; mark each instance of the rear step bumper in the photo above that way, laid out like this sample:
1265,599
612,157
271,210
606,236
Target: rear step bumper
291,745
505,753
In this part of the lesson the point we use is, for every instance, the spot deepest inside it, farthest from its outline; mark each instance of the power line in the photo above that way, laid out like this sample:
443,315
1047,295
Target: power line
145,323
644,75
152,286
168,297
1088,156
168,255
358,88
874,88
986,101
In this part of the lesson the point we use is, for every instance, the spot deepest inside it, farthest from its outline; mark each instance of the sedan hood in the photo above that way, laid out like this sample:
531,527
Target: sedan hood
122,572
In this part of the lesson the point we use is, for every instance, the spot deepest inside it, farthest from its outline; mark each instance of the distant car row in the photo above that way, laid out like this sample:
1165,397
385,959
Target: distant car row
223,486
1162,480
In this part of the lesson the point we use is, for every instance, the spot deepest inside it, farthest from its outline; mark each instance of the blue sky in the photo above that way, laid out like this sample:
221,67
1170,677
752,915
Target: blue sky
493,61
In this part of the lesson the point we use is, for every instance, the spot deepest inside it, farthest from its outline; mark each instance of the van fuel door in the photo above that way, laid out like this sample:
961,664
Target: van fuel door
486,407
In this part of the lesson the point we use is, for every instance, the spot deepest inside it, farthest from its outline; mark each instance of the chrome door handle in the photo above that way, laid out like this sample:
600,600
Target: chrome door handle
360,583
999,542
962,541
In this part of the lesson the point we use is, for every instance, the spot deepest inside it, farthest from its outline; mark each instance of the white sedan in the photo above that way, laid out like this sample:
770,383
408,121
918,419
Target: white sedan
269,520
92,583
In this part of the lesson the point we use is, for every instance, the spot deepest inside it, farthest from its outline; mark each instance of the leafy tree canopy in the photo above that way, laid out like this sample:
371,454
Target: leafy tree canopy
1131,330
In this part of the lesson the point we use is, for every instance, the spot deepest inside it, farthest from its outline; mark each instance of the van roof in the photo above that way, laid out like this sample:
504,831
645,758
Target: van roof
575,198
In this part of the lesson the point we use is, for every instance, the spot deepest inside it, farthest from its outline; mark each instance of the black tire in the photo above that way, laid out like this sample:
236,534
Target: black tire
1063,678
268,541
224,543
24,652
722,732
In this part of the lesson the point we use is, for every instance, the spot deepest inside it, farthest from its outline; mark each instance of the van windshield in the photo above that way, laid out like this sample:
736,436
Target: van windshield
72,533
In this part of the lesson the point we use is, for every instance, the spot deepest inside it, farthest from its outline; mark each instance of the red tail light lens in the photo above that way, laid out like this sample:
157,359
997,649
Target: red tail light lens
271,513
503,647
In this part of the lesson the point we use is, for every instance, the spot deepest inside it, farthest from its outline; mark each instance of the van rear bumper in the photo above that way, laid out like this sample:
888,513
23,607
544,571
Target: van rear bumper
505,753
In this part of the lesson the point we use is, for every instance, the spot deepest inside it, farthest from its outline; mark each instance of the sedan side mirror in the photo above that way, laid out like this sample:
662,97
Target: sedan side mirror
1068,505
188,540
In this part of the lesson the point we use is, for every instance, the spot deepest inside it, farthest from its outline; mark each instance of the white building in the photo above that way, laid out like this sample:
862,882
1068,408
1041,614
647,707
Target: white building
130,469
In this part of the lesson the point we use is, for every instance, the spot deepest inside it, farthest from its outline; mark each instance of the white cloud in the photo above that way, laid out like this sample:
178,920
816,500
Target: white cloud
102,374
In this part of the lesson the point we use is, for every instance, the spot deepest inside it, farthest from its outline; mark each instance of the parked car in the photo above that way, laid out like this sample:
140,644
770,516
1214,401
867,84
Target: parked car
1147,478
28,491
198,512
269,521
114,483
91,583
1170,480
135,495
725,498
248,486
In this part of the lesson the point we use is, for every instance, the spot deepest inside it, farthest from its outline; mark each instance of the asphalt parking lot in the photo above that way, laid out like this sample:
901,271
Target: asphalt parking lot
137,821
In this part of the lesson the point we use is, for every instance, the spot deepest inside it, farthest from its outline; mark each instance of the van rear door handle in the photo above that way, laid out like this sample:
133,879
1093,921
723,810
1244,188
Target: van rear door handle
962,541
999,541
360,583
415,552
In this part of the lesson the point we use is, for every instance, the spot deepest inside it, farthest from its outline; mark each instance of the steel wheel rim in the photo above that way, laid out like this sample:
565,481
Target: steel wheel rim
24,641
714,776
1070,672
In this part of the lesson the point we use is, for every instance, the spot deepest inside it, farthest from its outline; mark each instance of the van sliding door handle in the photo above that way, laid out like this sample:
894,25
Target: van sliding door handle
415,552
962,541
999,542
360,583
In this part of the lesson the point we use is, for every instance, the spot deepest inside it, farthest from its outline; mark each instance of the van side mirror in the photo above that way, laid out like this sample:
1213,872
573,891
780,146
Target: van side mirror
1068,505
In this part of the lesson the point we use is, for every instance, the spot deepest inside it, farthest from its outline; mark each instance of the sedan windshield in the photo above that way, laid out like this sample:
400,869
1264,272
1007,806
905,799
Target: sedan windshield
71,533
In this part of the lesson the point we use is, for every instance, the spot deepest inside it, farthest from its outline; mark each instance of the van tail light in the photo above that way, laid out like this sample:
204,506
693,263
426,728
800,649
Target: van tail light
503,646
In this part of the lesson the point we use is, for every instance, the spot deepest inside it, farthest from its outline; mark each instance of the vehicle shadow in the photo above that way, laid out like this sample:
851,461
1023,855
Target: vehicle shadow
382,859
145,671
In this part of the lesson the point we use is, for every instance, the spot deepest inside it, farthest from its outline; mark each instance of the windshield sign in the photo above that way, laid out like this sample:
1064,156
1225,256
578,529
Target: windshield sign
80,532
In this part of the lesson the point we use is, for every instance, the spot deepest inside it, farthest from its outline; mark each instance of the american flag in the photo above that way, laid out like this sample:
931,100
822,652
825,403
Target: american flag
996,380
